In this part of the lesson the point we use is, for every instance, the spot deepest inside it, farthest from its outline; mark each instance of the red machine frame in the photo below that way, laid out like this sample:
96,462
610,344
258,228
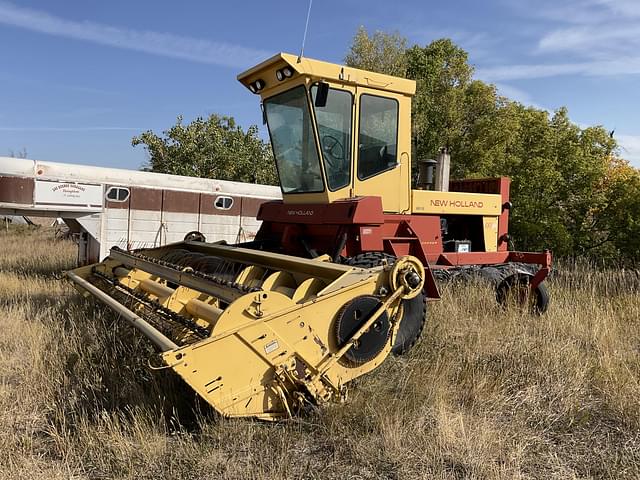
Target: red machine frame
357,225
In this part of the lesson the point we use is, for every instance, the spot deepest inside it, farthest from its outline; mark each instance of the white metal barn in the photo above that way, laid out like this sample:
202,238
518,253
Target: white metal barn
128,208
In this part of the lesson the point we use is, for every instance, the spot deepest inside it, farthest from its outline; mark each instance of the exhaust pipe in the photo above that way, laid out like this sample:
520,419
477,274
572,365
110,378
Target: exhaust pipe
443,166
425,174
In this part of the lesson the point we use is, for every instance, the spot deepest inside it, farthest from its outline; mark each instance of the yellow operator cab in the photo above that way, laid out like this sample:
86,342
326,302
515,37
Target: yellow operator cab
337,132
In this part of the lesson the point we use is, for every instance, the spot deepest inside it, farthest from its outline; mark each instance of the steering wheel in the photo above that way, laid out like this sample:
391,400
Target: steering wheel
333,147
297,148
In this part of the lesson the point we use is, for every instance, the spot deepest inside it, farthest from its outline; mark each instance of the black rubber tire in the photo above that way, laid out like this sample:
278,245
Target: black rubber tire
370,259
195,236
413,319
414,310
538,305
491,274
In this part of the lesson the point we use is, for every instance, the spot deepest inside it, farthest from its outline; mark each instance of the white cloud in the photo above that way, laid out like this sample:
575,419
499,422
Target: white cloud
517,72
517,94
630,148
164,44
609,31
574,12
86,112
624,66
593,38
593,41
471,41
629,8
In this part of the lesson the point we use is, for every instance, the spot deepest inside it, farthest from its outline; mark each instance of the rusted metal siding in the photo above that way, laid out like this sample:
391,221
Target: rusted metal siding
116,220
180,202
249,225
154,217
180,214
146,199
16,190
250,206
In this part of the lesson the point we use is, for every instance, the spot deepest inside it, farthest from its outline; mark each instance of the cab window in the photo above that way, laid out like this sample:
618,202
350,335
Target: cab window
377,136
293,141
334,131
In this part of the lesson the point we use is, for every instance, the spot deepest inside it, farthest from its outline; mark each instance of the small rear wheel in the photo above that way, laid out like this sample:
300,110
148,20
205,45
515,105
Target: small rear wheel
515,290
195,236
414,310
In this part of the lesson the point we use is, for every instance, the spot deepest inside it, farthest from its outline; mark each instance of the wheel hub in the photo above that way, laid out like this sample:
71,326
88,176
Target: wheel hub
352,316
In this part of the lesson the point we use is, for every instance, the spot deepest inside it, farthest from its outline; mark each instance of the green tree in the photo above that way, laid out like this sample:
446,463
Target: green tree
380,52
442,76
621,215
567,189
213,147
557,172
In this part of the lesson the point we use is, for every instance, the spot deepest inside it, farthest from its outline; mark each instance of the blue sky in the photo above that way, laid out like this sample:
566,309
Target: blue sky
79,78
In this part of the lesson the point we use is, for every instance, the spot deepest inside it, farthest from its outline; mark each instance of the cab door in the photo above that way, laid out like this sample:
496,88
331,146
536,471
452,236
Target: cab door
335,124
382,149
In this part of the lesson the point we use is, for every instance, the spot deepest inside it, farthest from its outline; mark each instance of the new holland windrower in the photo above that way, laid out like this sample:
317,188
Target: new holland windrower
341,270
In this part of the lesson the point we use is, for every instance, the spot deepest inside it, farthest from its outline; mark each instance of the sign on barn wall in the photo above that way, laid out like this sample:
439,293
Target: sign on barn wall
68,193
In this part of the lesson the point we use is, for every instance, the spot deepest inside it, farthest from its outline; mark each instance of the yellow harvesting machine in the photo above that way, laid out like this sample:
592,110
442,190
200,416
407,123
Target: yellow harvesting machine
339,274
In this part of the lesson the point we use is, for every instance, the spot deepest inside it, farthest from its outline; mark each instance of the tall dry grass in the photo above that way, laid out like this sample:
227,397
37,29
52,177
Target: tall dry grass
485,394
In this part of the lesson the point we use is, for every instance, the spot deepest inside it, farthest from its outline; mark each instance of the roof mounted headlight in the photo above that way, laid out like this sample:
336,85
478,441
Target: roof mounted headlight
283,73
256,86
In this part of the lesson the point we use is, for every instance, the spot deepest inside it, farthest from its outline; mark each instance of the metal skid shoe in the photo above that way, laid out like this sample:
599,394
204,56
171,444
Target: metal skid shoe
257,334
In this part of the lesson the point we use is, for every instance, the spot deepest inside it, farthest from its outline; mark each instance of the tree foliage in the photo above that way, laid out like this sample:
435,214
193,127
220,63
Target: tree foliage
571,192
213,147
442,77
380,52
620,217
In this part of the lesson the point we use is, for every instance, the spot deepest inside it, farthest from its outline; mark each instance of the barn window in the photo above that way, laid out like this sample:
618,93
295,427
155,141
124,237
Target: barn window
117,194
223,203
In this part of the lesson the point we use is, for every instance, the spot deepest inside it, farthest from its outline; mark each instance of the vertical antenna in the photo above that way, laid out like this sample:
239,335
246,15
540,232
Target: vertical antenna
306,26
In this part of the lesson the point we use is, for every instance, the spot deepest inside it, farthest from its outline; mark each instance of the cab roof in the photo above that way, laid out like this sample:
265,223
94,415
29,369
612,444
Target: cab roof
318,70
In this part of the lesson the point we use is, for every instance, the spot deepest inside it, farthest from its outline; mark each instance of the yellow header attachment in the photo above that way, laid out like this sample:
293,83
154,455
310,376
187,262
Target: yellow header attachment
273,72
256,334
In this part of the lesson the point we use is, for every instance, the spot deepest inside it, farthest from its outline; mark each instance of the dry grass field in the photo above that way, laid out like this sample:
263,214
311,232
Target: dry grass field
486,394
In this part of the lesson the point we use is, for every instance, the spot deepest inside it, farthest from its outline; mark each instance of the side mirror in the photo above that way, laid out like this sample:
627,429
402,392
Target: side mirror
322,94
